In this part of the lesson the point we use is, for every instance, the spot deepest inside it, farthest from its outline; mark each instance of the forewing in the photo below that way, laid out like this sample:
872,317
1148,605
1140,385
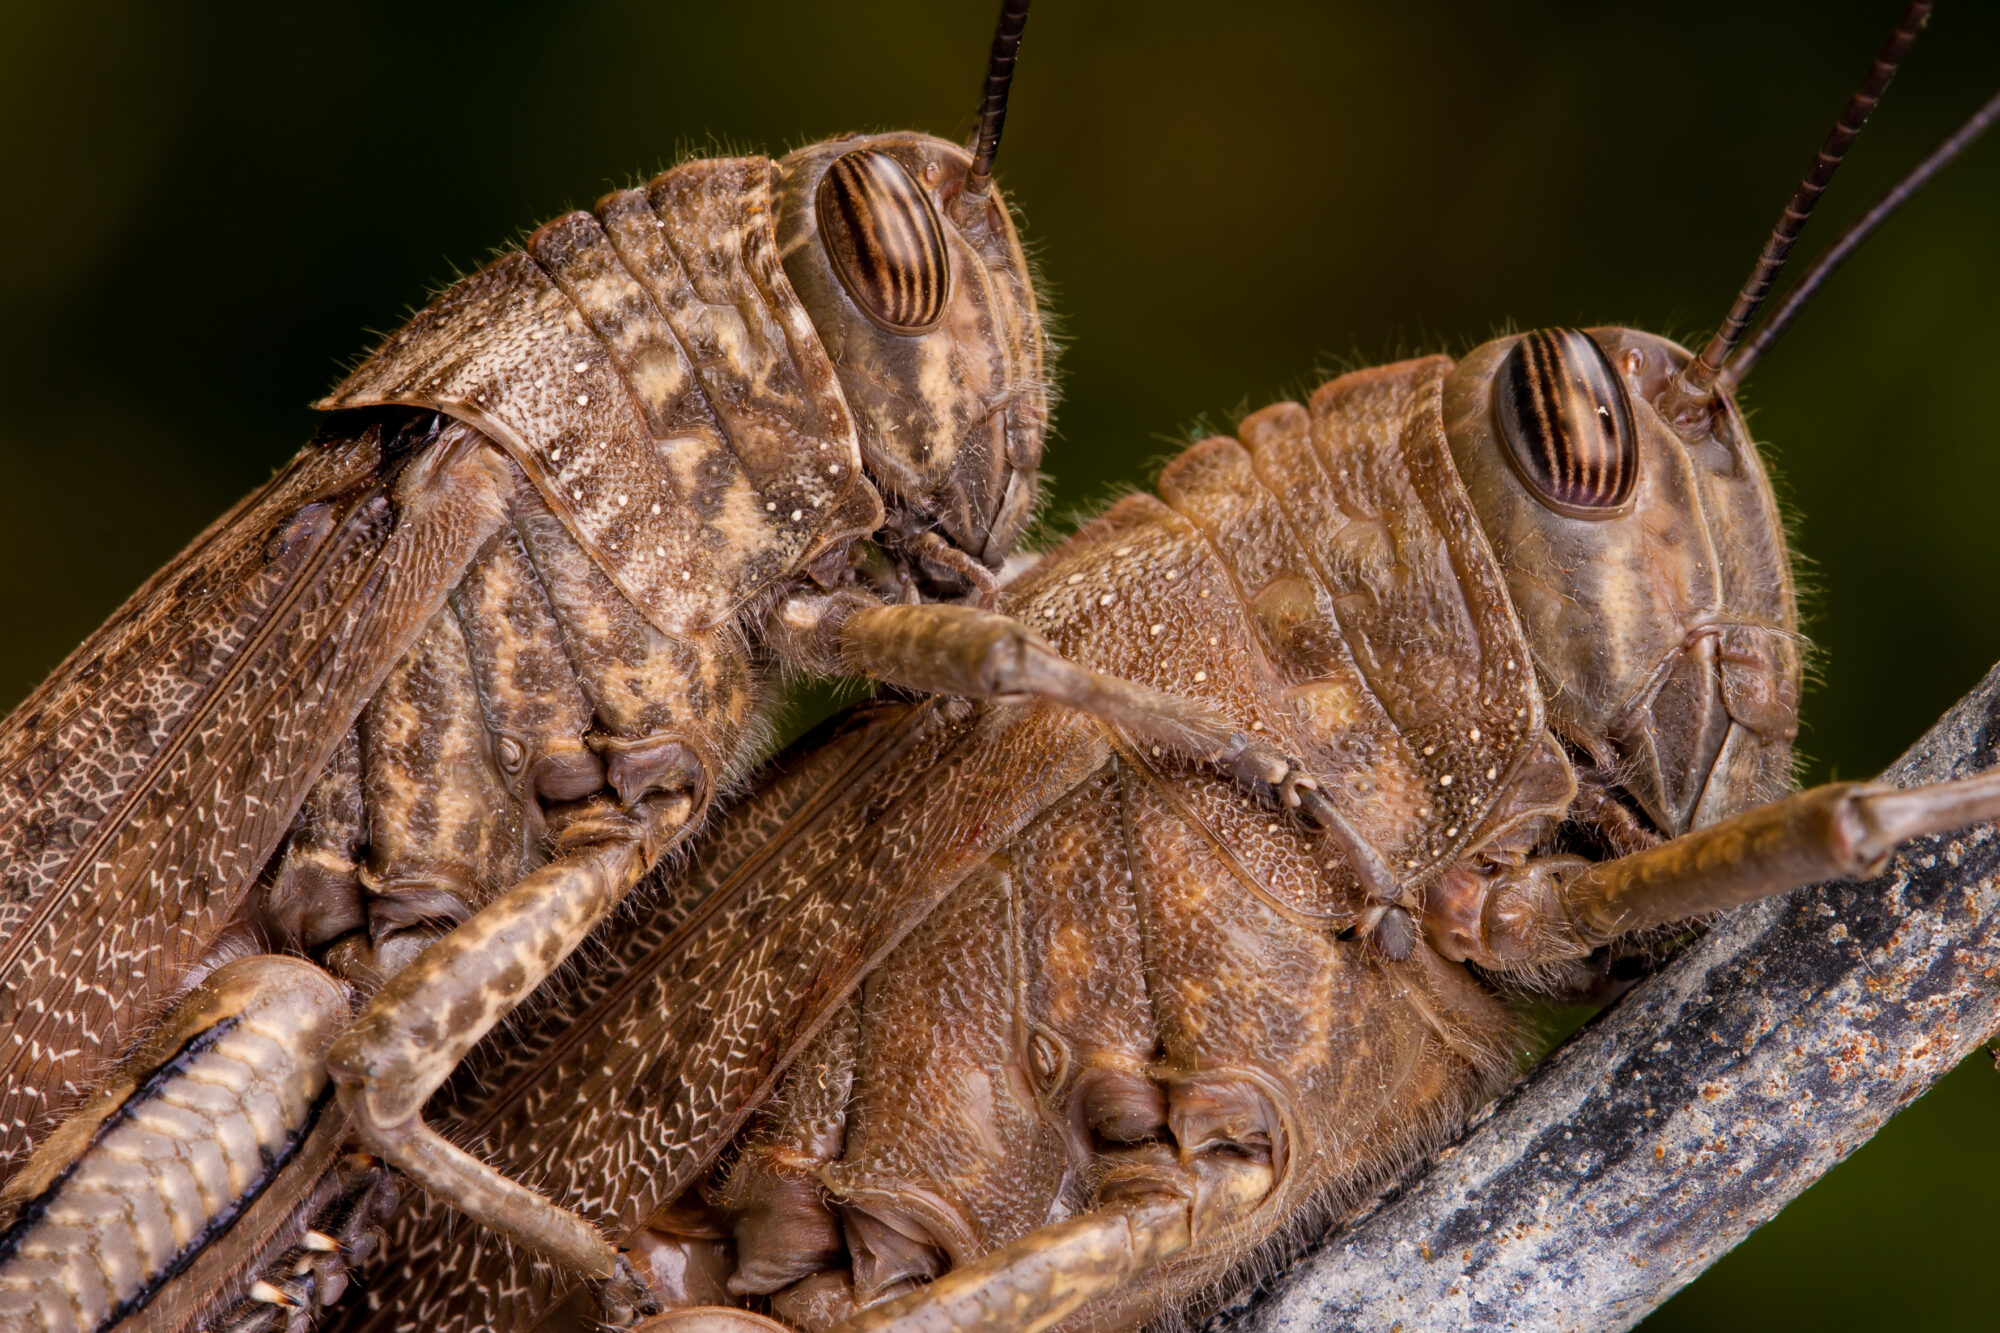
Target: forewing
677,1037
145,784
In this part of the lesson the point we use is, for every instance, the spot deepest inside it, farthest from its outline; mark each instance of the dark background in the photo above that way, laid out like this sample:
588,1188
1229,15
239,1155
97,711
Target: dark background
205,212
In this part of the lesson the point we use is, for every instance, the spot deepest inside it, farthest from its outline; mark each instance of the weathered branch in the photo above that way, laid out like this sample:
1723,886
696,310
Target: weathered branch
1688,1114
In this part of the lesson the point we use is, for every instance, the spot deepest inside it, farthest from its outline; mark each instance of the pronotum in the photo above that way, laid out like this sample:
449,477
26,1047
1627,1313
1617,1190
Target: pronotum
1229,79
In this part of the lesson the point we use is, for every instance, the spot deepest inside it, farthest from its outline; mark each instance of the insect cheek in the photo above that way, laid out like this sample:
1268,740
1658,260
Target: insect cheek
1564,415
885,241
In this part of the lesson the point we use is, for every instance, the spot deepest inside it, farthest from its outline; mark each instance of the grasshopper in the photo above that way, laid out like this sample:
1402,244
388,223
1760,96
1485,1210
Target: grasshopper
1001,1018
1388,911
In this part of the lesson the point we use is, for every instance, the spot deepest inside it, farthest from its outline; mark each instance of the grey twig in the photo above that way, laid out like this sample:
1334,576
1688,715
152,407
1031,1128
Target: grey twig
1707,1099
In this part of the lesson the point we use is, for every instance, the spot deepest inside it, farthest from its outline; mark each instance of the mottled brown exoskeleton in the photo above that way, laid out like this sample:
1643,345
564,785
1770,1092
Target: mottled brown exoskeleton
1002,1018
410,720
1021,998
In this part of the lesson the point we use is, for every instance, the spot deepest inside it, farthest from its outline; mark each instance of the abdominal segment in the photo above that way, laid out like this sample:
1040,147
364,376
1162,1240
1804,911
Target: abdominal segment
1104,1003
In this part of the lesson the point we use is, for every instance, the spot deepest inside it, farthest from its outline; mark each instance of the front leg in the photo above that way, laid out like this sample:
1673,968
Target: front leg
943,648
1548,909
940,648
416,1029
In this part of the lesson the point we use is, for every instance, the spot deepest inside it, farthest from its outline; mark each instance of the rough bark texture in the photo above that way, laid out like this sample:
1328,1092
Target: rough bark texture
1689,1113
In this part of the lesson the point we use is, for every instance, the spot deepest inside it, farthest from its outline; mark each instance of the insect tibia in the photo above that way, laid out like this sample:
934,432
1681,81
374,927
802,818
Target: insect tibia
940,648
1146,1217
1828,832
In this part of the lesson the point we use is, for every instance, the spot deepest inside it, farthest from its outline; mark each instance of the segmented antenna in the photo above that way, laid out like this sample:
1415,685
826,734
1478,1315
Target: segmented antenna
993,106
1745,360
1698,380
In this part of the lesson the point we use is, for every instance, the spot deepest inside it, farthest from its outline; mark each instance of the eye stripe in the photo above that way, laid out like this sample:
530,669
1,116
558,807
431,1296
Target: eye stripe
1567,422
885,241
1558,459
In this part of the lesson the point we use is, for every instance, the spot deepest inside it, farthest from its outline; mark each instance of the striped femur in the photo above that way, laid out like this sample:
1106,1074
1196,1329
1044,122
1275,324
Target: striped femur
1567,423
886,241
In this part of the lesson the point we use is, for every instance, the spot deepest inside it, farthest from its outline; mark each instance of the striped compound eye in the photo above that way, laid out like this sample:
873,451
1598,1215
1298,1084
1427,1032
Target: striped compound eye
1568,423
885,239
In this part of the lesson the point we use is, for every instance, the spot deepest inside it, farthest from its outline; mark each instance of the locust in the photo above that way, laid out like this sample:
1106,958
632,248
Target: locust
1001,1019
411,719
1159,983
997,1016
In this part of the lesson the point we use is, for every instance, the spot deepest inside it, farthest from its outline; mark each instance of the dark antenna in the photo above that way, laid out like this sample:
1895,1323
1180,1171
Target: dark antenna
993,106
1745,360
1697,381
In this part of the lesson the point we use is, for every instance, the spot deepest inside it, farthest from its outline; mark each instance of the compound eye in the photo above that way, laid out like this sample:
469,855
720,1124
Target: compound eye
885,239
1568,423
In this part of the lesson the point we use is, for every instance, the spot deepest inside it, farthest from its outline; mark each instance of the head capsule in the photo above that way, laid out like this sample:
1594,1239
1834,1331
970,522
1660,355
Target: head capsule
920,293
1649,568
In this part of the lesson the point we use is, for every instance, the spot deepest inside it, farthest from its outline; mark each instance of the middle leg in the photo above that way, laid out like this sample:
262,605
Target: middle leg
939,648
416,1029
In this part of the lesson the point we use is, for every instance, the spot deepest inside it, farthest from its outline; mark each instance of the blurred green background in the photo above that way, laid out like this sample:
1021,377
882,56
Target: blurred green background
206,210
